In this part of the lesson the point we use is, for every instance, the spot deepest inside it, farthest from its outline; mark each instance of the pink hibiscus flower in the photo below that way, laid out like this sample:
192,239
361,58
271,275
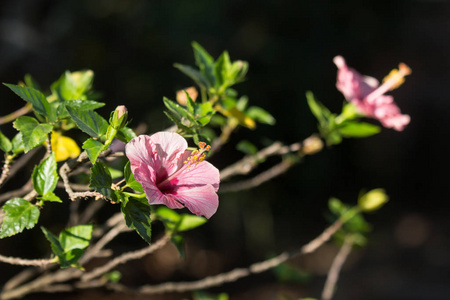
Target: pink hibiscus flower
173,176
368,96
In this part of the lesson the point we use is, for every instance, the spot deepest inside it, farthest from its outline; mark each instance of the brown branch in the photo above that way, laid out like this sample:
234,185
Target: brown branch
338,262
14,115
235,274
28,187
311,145
125,258
5,169
259,179
68,166
25,262
19,164
115,231
41,283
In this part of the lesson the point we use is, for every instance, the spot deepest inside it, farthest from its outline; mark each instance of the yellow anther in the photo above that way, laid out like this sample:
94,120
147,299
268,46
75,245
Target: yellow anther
404,69
397,76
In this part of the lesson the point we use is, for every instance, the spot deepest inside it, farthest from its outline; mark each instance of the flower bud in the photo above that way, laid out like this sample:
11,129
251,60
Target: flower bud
312,145
182,97
373,200
119,117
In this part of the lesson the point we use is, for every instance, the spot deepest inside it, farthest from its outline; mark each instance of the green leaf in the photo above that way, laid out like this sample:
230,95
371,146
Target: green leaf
189,222
89,121
201,295
82,105
51,197
113,276
129,179
77,237
93,149
31,82
169,217
221,71
260,115
54,242
19,214
358,129
194,74
180,114
287,273
36,98
176,222
126,134
17,144
101,180
205,62
203,112
247,147
72,86
5,143
137,217
70,245
178,242
45,176
318,109
33,133
115,173
337,207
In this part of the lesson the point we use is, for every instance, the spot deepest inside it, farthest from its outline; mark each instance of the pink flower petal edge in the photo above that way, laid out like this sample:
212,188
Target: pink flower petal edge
368,96
173,176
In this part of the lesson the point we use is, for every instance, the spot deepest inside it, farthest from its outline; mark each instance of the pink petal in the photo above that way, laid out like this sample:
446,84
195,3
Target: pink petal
169,146
137,151
199,200
197,175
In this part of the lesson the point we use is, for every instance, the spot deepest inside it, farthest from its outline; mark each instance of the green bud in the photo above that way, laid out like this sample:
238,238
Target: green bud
373,200
119,117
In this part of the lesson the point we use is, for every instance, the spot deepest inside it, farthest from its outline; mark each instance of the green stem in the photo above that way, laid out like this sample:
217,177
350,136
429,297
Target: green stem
138,196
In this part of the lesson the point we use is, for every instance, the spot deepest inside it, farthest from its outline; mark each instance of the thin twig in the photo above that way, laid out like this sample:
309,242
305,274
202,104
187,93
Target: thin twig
17,193
5,169
115,231
235,274
90,211
41,282
14,115
338,262
68,166
21,277
274,171
125,258
20,163
48,144
25,262
309,146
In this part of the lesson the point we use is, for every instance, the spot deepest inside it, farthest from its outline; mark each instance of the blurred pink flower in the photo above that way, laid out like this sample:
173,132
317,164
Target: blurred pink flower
368,96
173,176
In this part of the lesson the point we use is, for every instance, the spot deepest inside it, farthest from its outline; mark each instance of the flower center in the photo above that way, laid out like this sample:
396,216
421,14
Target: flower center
196,157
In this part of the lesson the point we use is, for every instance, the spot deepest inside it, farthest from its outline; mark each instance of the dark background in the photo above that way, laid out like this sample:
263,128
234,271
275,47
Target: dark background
131,46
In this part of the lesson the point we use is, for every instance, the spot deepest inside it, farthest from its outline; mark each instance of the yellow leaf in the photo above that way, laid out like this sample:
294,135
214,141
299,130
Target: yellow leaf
240,116
64,147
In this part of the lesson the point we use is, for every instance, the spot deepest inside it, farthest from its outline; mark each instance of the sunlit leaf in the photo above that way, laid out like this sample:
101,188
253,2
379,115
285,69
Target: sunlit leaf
45,176
33,133
19,214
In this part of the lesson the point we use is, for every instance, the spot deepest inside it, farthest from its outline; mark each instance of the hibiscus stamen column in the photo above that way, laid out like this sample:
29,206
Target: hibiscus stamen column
392,81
